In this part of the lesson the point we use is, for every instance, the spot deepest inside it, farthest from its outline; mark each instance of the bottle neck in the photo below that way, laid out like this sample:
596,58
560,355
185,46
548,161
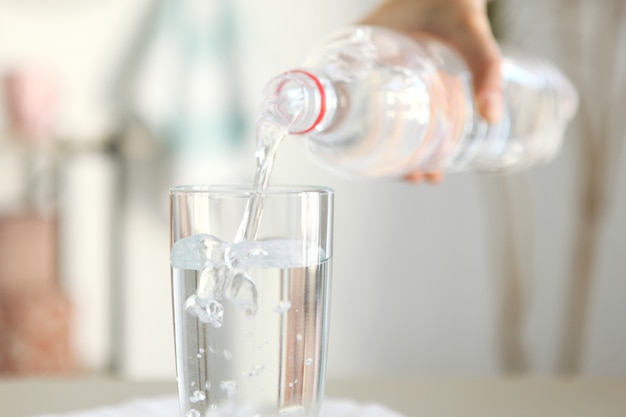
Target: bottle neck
300,101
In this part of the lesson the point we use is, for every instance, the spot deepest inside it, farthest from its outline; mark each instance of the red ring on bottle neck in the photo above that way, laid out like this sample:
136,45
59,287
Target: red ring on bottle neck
320,88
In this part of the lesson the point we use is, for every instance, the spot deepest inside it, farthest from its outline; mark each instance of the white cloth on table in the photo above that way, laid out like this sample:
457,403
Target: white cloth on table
167,406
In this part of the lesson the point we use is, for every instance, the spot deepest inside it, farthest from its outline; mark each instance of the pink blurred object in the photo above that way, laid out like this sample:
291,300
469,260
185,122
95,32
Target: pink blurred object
35,316
32,96
35,332
28,251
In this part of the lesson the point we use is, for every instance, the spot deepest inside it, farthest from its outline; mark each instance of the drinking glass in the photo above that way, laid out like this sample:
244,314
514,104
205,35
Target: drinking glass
251,315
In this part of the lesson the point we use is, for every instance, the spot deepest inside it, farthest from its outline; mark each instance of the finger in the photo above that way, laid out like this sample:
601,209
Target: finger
481,52
415,177
434,177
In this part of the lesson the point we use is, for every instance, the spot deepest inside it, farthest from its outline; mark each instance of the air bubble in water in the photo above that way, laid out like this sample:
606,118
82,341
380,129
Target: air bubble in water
308,361
227,354
230,388
193,413
242,292
254,371
283,306
207,310
257,251
197,396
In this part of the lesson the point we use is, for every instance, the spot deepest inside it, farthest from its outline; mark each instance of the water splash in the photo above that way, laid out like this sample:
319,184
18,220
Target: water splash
207,310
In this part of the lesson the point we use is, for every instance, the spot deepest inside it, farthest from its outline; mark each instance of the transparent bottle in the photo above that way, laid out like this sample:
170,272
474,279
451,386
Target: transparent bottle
378,104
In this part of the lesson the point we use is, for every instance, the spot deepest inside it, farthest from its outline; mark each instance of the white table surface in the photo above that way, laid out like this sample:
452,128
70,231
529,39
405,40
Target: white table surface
414,397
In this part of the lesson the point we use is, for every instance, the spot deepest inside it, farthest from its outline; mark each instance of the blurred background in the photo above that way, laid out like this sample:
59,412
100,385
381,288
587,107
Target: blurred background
107,104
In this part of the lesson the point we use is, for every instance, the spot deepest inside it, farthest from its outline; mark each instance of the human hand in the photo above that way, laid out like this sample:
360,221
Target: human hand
464,25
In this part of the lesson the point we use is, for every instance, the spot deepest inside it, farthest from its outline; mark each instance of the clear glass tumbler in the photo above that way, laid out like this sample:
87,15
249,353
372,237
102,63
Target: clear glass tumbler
251,316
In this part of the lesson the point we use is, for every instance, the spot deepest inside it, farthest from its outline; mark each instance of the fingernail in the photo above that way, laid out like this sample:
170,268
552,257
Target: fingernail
491,106
434,177
415,177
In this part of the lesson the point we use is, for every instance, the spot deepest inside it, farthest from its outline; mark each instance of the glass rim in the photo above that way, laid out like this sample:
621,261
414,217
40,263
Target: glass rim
242,190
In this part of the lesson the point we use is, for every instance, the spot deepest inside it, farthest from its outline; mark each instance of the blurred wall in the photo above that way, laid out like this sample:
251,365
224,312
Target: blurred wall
417,283
575,310
83,44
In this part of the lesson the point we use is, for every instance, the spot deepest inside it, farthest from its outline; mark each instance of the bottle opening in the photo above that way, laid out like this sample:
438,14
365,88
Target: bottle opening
296,100
322,101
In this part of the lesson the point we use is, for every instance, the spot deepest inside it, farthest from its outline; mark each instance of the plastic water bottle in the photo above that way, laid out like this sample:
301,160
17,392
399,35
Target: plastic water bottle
375,103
